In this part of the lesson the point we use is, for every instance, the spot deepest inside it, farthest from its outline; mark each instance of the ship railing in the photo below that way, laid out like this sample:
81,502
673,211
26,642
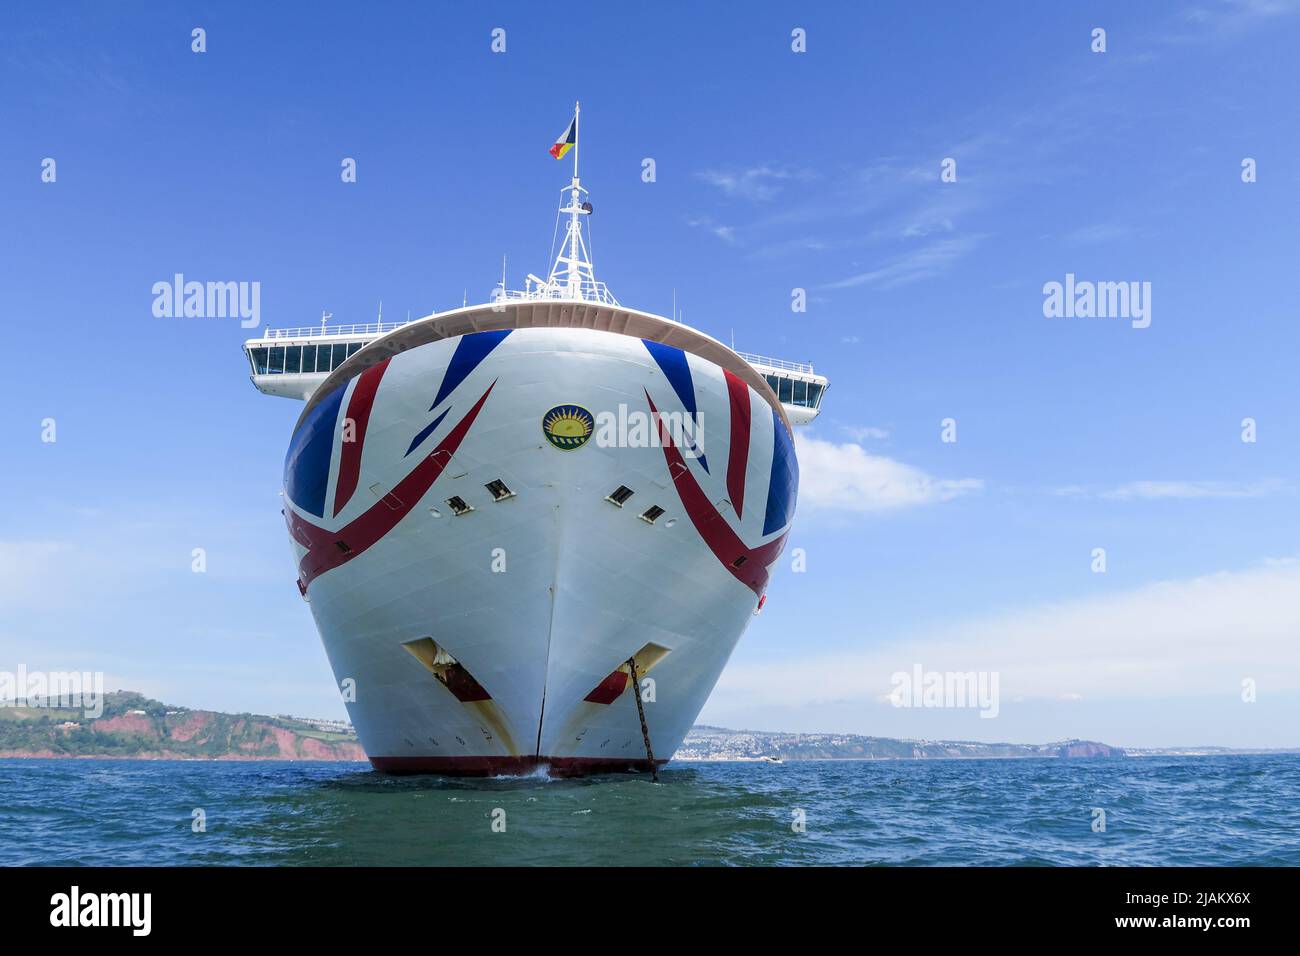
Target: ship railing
317,331
589,290
803,368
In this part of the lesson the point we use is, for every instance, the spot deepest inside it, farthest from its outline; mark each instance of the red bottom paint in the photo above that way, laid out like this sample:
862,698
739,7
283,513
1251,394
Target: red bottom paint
511,766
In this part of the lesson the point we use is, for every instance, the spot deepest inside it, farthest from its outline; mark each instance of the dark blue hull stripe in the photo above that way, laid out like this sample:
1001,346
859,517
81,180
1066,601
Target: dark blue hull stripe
672,361
307,466
470,351
784,486
415,442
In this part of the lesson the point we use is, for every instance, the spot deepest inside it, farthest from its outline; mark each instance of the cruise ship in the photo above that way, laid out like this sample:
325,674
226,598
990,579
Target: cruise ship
531,531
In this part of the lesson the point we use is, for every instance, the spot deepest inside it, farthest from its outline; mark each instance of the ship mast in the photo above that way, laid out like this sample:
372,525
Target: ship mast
572,275
572,269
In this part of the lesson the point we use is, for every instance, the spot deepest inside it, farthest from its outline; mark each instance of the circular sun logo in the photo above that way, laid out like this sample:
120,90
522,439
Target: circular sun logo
567,426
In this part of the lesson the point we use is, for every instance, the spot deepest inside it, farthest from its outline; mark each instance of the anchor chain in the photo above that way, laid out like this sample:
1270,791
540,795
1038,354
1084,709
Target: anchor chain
640,710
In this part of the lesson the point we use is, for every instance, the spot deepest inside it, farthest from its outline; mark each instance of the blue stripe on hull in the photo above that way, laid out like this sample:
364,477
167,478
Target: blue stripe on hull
672,361
470,351
307,465
784,486
428,430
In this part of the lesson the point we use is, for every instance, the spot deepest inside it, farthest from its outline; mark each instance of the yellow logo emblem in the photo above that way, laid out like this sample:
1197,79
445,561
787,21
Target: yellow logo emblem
567,426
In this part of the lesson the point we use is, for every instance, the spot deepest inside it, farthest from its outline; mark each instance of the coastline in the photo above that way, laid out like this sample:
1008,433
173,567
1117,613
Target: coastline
134,727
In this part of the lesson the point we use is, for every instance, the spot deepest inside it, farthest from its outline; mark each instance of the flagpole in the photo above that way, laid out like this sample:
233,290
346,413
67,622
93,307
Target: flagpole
572,270
574,227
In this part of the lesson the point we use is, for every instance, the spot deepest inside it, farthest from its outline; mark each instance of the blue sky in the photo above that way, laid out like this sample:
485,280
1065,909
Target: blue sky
775,170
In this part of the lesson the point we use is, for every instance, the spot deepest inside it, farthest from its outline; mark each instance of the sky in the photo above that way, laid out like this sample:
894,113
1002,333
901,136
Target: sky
775,170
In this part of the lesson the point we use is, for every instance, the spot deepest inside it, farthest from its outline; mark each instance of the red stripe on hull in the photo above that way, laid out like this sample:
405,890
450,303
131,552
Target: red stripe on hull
610,689
359,405
327,550
510,766
463,685
738,456
747,565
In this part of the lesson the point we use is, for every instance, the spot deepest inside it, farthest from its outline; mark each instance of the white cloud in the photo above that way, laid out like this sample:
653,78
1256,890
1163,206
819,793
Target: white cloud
1240,12
725,233
1102,232
847,477
928,261
756,184
25,566
867,432
1193,489
1154,490
1194,636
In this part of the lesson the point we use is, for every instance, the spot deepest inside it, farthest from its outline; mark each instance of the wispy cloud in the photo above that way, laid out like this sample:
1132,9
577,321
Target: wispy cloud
884,201
1102,232
755,184
1154,490
1240,13
1201,635
25,566
723,232
859,434
846,477
893,207
932,259
1220,20
1193,489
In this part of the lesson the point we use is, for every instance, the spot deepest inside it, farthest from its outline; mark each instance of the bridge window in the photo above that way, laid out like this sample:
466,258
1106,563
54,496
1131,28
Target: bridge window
794,389
309,359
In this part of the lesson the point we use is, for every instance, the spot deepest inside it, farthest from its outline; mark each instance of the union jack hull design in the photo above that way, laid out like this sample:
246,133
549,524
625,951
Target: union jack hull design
482,588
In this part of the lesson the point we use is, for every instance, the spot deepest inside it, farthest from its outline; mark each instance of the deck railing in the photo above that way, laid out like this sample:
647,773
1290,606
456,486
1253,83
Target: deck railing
597,293
320,331
589,290
803,368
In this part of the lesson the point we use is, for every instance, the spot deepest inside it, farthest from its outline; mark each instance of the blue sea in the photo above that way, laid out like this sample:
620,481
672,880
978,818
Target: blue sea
1229,810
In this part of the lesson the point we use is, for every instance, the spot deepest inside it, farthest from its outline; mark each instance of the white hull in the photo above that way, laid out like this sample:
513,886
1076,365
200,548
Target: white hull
541,596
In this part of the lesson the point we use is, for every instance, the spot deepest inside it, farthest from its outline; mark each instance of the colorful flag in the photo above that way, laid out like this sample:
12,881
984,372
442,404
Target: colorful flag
566,140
